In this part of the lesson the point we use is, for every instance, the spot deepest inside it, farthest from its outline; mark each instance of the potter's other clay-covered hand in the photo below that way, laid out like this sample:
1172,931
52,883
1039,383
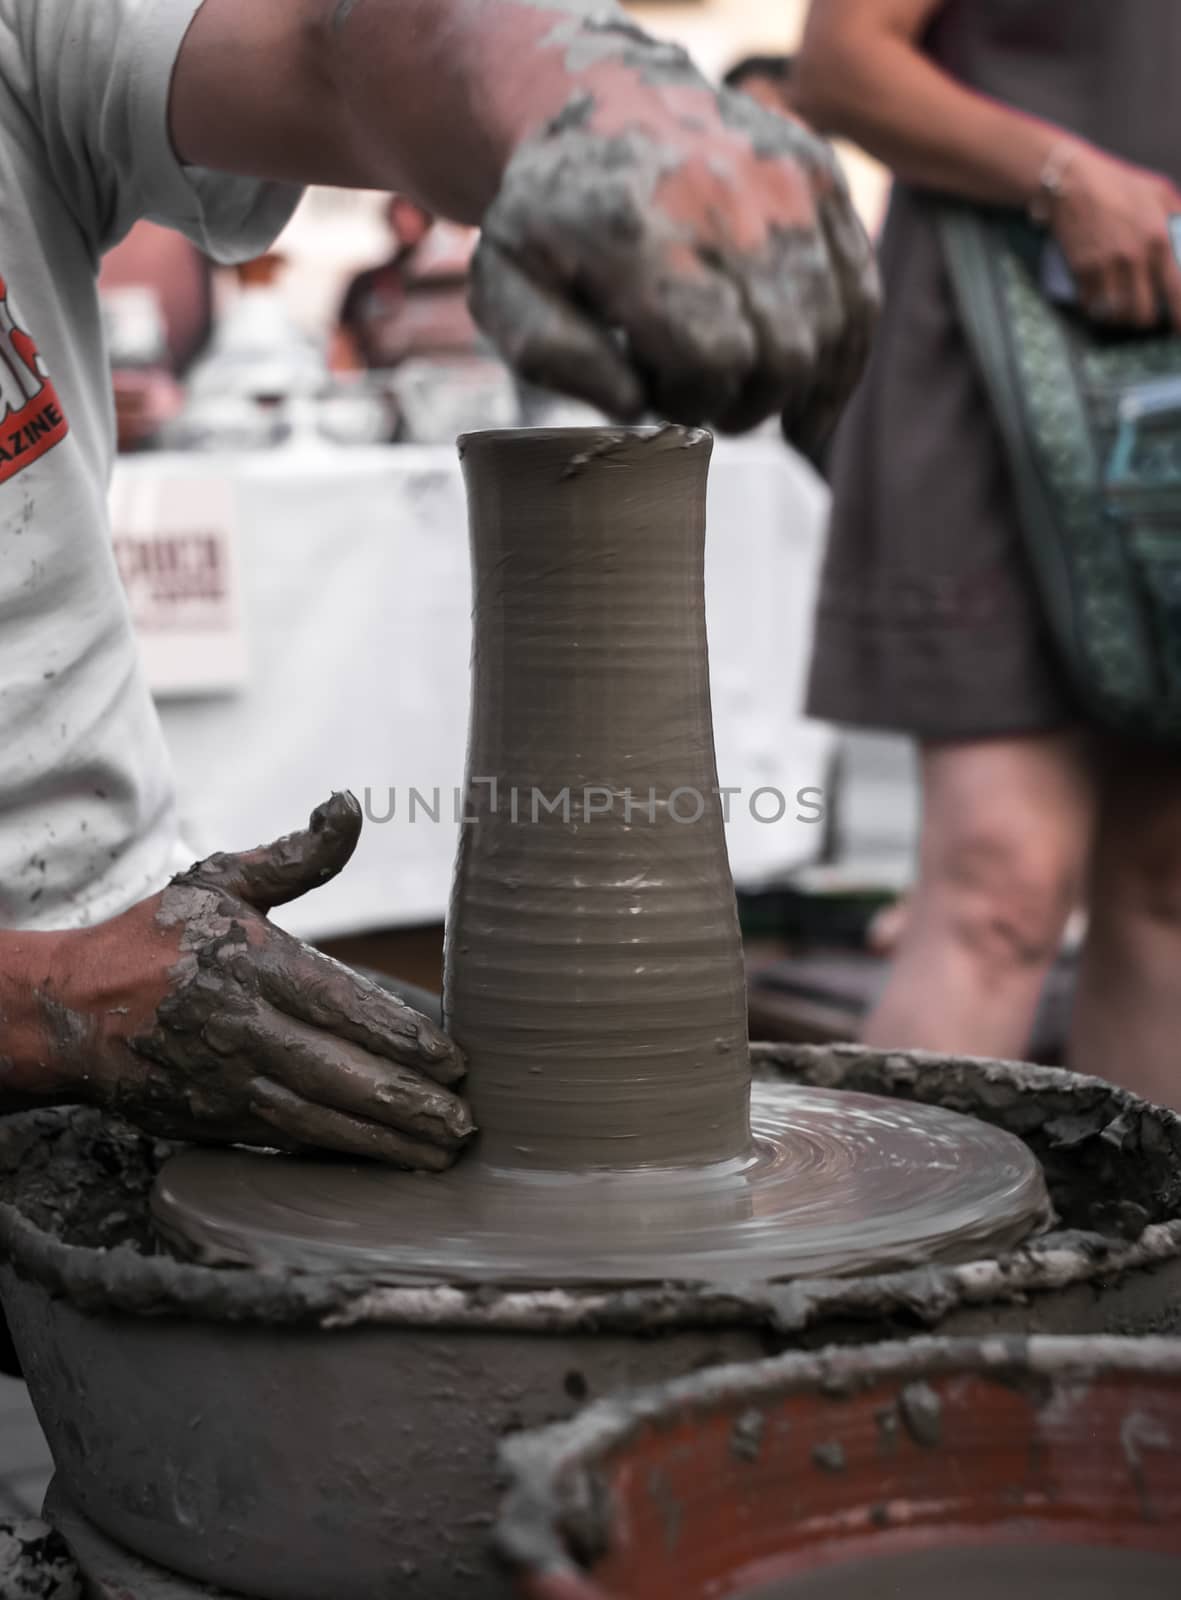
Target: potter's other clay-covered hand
197,1018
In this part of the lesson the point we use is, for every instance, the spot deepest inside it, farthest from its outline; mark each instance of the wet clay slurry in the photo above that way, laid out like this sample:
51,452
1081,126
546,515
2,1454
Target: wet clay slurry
1008,1572
836,1183
594,973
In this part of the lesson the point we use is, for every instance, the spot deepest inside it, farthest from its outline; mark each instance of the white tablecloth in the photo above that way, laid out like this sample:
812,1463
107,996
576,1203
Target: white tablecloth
355,598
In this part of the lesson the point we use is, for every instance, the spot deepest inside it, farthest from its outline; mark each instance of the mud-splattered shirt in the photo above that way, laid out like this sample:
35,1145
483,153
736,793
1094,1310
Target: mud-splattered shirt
87,814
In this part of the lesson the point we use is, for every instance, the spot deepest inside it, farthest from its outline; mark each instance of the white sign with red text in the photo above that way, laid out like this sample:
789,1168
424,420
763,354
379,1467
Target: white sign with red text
176,547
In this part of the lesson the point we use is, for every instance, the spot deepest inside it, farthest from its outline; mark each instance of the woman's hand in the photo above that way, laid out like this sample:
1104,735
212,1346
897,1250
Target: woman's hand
196,1018
1112,223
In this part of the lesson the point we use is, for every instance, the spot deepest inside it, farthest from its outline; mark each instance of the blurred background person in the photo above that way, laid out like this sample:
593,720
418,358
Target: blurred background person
157,291
413,304
928,619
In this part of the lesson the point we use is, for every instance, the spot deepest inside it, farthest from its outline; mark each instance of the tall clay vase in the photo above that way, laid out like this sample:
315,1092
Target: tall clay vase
594,971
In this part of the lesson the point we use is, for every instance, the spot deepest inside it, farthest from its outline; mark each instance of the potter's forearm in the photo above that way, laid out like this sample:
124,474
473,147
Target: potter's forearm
861,74
482,75
430,97
31,1071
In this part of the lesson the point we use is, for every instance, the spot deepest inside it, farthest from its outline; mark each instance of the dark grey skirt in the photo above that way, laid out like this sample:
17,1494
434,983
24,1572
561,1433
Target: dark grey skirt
928,621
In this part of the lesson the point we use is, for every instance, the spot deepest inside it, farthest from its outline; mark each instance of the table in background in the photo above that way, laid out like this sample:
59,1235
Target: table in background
355,598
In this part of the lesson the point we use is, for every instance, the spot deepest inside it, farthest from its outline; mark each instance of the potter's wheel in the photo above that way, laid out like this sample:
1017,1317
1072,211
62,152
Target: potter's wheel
835,1183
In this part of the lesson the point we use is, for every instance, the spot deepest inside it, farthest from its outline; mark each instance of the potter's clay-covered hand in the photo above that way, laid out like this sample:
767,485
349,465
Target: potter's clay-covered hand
649,244
197,1018
659,246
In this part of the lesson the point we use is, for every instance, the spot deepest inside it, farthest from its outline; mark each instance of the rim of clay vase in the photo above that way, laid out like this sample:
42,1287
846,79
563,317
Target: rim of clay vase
123,1281
528,1531
602,435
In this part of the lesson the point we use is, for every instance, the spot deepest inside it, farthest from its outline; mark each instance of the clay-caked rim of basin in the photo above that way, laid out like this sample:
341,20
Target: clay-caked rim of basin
544,1466
1051,1109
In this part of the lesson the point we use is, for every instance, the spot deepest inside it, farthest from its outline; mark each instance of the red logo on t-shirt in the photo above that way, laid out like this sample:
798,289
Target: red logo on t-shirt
31,416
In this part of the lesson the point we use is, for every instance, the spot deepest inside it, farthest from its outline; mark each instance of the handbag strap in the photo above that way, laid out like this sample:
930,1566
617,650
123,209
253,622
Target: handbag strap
977,252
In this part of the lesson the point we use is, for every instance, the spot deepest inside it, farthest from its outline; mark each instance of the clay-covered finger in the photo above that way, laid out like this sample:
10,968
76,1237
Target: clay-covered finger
811,416
327,995
687,329
793,304
300,1125
827,279
337,1074
291,866
610,227
854,264
786,278
547,339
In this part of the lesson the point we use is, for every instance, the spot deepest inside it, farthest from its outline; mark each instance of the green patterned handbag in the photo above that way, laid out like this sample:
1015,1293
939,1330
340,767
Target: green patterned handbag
1091,425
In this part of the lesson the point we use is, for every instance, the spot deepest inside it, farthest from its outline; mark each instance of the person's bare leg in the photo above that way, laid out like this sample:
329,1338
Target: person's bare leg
1127,1013
1006,834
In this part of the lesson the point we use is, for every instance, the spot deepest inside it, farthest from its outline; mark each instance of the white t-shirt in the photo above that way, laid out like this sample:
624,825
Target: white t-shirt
87,814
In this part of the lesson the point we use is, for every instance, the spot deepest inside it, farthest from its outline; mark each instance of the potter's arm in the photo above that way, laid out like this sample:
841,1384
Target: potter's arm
194,1016
620,195
428,97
